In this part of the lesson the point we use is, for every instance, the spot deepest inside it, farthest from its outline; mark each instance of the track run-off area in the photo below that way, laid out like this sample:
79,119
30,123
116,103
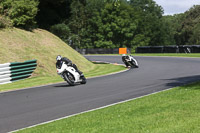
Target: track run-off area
27,107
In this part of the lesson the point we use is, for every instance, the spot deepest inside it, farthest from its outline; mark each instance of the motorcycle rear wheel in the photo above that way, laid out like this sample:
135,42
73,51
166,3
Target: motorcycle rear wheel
84,80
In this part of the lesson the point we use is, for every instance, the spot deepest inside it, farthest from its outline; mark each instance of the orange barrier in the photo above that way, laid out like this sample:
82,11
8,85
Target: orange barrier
122,50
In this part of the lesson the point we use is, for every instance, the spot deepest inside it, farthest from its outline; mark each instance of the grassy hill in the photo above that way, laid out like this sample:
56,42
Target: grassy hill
18,45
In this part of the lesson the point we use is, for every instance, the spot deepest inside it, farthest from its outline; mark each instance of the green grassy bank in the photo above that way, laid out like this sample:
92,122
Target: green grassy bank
18,45
173,111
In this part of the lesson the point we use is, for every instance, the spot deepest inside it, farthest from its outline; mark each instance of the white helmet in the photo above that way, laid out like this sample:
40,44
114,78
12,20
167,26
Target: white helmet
59,57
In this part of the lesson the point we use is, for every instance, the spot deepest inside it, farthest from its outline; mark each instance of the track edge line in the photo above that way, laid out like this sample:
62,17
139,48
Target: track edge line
65,117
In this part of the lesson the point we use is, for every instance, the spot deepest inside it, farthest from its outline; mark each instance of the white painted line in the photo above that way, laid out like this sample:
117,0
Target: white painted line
108,74
89,110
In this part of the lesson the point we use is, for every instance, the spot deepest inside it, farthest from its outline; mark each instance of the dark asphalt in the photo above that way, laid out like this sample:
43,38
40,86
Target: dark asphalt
19,109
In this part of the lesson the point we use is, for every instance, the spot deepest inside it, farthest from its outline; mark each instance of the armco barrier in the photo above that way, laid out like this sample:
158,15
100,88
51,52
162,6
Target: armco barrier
10,72
150,49
101,51
169,49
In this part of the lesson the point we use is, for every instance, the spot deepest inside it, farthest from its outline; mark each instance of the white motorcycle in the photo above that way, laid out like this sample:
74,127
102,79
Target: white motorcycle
130,61
69,74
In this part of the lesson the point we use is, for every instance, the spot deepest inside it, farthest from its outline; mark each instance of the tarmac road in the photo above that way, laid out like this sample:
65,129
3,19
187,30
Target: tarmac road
19,109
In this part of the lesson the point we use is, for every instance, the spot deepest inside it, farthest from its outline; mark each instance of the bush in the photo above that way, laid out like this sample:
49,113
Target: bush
5,22
21,12
62,31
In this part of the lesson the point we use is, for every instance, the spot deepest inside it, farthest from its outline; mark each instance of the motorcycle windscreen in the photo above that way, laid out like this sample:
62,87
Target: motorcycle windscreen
59,64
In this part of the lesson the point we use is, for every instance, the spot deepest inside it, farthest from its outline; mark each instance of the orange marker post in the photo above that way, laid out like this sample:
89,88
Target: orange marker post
122,50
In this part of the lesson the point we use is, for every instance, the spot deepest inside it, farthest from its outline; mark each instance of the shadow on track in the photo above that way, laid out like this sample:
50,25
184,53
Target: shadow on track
183,80
63,85
66,85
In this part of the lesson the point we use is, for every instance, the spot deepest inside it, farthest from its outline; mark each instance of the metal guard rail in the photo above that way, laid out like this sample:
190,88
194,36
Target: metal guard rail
11,72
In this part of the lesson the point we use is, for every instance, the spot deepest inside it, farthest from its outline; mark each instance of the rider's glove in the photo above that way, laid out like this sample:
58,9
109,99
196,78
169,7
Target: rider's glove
69,64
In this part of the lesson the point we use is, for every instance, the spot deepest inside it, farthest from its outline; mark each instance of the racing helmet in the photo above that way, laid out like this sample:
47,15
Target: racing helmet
59,57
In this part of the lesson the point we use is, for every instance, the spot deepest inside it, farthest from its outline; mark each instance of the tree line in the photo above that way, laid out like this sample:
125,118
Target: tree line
104,23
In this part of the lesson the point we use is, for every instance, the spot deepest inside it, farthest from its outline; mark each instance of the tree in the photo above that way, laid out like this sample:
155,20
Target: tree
52,12
109,26
61,30
21,12
4,21
189,26
77,21
168,30
149,28
118,24
195,39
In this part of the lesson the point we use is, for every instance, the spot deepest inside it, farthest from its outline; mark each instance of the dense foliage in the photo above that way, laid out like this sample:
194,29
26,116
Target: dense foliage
104,23
5,22
184,29
114,23
21,12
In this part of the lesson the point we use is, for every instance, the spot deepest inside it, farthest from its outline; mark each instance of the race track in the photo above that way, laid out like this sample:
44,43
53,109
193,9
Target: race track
19,109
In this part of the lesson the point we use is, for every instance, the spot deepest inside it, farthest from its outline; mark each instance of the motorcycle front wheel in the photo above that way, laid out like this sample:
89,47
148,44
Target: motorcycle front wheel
69,78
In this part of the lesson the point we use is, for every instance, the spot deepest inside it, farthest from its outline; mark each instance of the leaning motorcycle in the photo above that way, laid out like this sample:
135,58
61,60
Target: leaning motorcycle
130,61
70,75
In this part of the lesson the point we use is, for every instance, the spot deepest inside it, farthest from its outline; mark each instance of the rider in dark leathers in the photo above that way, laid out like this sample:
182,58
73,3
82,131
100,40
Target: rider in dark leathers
123,59
133,62
61,59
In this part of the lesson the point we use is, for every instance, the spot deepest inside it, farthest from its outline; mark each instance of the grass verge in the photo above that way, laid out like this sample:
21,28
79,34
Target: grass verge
98,70
176,110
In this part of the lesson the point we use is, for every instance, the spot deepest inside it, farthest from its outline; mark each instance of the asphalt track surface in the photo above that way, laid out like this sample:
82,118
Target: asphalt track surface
19,109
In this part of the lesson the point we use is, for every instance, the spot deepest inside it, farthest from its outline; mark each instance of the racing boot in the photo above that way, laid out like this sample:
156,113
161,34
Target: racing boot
81,73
